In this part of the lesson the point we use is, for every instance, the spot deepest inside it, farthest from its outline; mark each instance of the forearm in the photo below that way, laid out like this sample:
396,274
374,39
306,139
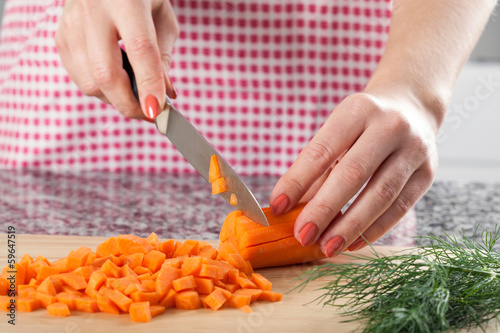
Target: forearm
428,43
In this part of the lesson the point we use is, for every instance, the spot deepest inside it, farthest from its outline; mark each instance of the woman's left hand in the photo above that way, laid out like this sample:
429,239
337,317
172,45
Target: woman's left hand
389,141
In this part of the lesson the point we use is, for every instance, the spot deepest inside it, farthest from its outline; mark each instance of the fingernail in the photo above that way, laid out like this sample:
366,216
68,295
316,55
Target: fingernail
280,204
308,234
174,93
356,244
152,106
334,245
171,92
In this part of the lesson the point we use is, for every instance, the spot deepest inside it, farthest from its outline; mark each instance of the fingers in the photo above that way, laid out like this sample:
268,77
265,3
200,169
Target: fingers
167,32
340,131
142,49
345,180
414,189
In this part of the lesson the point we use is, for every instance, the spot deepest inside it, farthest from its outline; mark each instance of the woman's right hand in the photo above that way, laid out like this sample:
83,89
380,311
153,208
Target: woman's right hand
87,40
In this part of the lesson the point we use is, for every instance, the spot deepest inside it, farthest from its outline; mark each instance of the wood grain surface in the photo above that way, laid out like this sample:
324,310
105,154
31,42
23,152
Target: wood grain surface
290,315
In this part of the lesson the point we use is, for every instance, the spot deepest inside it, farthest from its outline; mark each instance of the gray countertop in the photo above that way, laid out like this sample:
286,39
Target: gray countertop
181,206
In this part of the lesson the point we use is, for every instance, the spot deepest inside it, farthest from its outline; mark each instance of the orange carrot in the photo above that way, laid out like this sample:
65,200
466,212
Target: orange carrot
261,282
184,283
45,299
167,247
156,310
47,287
219,186
133,260
153,260
67,299
189,247
106,305
121,301
271,296
27,292
168,301
73,280
17,271
233,200
153,240
132,244
58,309
213,169
108,247
174,262
204,286
208,252
253,293
140,296
110,269
166,275
84,271
27,304
210,271
216,299
4,285
86,304
239,300
76,259
191,266
140,312
187,300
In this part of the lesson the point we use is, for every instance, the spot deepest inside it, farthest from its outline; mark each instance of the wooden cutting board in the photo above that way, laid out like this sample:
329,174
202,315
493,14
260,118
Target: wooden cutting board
290,315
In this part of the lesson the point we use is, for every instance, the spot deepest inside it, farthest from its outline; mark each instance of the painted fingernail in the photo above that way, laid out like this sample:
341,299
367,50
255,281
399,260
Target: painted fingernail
171,92
280,204
152,107
356,244
308,234
334,245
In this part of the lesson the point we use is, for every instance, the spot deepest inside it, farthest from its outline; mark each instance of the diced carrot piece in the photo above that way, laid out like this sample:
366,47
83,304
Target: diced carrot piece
184,283
189,247
86,304
149,284
122,301
156,310
6,303
110,269
220,284
204,286
122,283
4,285
271,296
126,271
70,290
233,275
213,169
58,309
42,259
223,266
25,261
168,301
84,271
153,240
261,281
107,248
155,275
132,288
47,287
106,305
254,293
27,304
133,260
140,296
210,271
187,300
34,282
227,294
140,312
133,244
219,186
239,300
97,279
98,262
67,299
73,280
59,264
215,300
208,252
229,253
246,309
45,299
17,271
153,260
140,270
77,258
228,228
167,247
90,259
233,200
166,275
27,292
174,262
145,276
246,283
191,266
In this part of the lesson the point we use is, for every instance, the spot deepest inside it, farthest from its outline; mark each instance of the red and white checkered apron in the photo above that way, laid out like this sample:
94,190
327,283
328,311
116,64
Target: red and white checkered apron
256,77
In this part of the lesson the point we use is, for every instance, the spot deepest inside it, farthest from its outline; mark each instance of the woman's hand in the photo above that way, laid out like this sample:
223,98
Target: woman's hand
390,142
87,40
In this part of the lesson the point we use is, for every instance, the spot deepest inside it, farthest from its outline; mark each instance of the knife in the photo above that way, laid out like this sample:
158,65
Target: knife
196,149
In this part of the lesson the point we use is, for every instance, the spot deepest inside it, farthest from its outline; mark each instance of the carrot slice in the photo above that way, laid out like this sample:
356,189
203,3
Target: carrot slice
121,301
67,299
219,186
76,259
216,299
174,262
133,260
233,200
73,280
208,252
86,304
184,283
58,309
156,310
47,287
132,244
271,296
27,292
213,169
253,293
110,269
168,301
167,247
191,266
18,272
204,286
140,312
239,300
107,248
210,271
261,282
45,299
97,279
27,304
153,240
84,271
187,300
246,283
140,296
106,305
153,260
189,247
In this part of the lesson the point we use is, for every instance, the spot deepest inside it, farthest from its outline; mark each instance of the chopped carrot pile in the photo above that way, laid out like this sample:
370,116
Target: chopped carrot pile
138,276
264,246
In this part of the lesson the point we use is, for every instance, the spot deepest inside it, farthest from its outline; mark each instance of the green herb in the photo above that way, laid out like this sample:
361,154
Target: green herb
448,285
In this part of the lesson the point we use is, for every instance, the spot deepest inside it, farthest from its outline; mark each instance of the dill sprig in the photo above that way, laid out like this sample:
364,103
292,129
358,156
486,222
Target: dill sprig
448,285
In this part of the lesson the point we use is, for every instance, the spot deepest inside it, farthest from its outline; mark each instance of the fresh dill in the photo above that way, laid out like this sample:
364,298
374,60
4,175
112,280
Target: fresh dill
450,284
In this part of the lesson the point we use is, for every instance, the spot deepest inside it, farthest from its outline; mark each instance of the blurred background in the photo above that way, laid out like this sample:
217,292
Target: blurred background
469,140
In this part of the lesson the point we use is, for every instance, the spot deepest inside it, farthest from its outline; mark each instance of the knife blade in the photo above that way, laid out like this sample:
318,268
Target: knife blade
198,151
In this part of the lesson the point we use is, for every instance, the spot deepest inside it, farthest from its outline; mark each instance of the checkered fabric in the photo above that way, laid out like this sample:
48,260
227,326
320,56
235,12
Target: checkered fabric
256,77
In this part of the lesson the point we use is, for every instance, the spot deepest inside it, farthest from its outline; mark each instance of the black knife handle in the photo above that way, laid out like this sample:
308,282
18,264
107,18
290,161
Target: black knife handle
130,72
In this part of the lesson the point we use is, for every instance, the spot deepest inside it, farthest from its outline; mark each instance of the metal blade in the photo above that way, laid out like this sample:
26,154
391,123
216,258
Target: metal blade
196,149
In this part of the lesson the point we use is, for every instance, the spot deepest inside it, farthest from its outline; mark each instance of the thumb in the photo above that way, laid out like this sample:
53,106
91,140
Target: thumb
167,32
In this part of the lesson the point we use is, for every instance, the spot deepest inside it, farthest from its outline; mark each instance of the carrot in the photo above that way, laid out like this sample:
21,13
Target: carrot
47,287
5,303
140,312
166,275
107,248
271,296
77,258
208,252
126,271
191,266
189,247
27,304
141,270
168,301
84,271
67,299
184,283
149,284
25,261
45,299
246,309
27,292
204,286
266,246
73,280
58,309
121,301
216,299
210,271
153,240
213,169
233,200
167,247
253,293
239,300
4,285
110,269
219,186
97,279
106,305
18,272
153,260
231,287
187,300
261,282
133,260
69,290
140,296
156,310
86,304
132,244
174,262
42,259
